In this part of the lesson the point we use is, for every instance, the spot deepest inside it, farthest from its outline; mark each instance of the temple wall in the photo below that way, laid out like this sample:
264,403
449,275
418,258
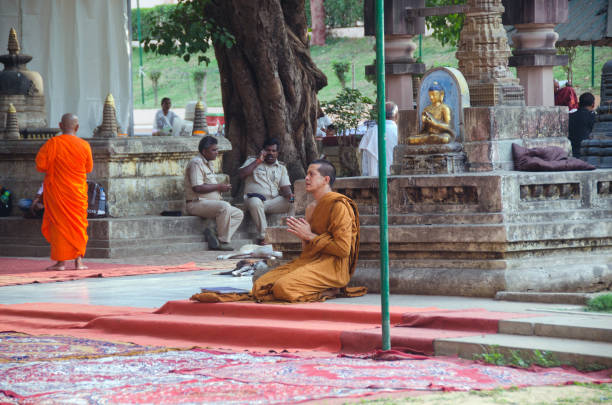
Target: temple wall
479,233
490,132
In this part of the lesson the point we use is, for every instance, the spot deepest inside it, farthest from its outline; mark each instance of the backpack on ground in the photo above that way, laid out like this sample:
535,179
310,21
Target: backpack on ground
96,201
6,202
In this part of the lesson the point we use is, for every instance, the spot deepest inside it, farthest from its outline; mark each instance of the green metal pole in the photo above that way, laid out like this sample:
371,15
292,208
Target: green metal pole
382,175
592,66
140,71
421,48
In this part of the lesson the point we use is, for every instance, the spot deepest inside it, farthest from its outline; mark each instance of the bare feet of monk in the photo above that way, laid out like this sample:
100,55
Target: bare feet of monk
59,266
78,264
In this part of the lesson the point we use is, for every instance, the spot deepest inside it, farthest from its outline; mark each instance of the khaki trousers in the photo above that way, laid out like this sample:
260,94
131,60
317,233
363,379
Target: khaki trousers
227,216
258,210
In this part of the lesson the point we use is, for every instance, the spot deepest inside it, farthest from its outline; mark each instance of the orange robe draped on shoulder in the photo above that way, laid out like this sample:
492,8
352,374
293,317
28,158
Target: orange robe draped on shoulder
66,160
327,261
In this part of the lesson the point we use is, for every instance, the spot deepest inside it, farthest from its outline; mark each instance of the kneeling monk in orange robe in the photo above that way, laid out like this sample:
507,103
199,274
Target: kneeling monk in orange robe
330,245
65,159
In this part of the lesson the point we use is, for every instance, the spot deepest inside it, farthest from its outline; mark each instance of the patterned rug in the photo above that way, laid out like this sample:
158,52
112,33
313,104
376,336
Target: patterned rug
27,271
21,347
207,376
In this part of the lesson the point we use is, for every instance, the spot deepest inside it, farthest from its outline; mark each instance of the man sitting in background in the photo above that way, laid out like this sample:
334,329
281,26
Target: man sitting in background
581,122
164,119
203,196
267,188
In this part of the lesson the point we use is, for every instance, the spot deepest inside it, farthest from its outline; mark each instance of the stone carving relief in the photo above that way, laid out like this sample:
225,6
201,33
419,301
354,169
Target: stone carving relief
439,195
562,191
604,188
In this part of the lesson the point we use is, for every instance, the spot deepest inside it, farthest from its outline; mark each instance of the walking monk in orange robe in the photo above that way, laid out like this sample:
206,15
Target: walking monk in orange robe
66,159
330,246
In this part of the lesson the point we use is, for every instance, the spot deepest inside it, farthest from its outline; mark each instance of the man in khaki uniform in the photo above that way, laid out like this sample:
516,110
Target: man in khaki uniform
203,196
267,188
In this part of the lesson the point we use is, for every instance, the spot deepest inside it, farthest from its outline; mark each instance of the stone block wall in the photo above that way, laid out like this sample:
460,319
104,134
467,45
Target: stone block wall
479,233
491,131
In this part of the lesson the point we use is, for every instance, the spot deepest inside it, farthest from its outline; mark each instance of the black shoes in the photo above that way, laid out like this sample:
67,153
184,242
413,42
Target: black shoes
214,243
211,239
225,247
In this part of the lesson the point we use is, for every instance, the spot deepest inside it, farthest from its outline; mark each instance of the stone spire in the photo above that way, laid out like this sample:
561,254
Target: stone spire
108,128
12,126
483,54
14,60
199,121
13,43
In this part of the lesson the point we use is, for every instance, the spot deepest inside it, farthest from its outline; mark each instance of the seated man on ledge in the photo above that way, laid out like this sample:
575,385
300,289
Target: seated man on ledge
267,188
330,246
203,196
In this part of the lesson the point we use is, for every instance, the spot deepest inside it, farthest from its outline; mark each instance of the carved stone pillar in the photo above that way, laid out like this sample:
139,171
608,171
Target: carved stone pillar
483,53
534,41
400,64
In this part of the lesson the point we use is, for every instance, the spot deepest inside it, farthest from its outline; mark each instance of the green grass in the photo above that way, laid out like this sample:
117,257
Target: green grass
177,83
602,303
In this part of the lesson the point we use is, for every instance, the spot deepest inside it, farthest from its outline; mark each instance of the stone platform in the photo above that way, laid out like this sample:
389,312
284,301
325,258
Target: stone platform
479,233
125,237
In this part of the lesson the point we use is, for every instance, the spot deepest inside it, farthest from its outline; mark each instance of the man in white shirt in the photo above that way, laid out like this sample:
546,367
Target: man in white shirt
164,119
369,143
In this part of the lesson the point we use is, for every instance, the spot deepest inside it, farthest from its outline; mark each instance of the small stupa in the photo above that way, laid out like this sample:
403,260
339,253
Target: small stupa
12,125
109,127
23,88
199,121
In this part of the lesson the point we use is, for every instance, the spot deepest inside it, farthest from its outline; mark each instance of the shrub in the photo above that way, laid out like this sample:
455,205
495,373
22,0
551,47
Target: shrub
347,109
602,303
340,69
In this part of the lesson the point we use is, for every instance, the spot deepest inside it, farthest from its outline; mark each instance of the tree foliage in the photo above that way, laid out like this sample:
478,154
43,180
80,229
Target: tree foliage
446,28
186,29
339,13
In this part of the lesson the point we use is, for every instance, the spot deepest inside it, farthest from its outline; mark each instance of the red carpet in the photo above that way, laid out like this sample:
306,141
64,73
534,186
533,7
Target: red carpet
76,370
25,271
323,327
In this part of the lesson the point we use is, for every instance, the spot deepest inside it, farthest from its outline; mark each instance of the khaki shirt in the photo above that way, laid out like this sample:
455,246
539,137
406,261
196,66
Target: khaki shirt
200,171
266,179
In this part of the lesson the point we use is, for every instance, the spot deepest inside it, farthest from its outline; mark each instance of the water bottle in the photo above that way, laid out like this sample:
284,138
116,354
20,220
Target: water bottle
4,198
102,203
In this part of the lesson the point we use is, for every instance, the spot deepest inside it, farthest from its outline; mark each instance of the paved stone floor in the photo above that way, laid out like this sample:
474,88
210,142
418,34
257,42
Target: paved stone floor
153,290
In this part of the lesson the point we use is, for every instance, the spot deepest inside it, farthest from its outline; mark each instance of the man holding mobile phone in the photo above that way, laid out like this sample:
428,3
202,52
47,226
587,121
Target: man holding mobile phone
267,187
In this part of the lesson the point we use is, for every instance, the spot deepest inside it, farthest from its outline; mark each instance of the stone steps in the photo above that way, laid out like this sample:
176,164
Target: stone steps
122,237
580,353
582,340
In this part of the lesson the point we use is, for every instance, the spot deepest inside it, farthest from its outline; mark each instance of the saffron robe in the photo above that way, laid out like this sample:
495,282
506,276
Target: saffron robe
327,261
66,160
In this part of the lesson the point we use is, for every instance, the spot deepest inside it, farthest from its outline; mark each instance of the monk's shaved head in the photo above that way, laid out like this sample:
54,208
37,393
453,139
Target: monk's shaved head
69,123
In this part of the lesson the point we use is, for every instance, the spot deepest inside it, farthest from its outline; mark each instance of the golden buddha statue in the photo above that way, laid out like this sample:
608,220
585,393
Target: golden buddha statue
436,119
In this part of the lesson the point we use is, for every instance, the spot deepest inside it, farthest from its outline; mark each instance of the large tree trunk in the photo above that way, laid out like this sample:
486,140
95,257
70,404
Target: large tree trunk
269,82
317,17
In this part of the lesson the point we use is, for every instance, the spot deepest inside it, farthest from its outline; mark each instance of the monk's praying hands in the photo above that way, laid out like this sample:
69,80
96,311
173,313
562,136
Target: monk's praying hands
300,228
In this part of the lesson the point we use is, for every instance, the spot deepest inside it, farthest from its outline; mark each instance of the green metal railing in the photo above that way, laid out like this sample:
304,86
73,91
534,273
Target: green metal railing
140,69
